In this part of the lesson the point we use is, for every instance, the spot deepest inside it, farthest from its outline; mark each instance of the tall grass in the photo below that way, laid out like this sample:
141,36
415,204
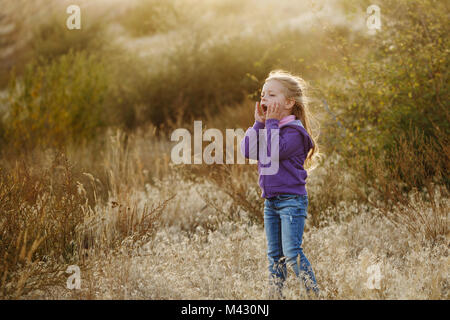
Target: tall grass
401,186
47,221
40,210
86,176
141,229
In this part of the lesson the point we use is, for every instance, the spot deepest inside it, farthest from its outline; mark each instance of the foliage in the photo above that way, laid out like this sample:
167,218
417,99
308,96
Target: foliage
381,195
39,215
53,39
398,85
57,103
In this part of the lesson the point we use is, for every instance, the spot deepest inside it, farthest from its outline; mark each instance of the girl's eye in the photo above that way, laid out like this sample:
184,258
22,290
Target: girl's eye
272,95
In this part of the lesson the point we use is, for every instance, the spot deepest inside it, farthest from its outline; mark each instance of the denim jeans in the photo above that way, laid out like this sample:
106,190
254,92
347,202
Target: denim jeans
284,221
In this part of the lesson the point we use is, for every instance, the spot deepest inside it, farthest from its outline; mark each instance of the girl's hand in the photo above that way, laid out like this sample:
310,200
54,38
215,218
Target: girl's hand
259,113
274,111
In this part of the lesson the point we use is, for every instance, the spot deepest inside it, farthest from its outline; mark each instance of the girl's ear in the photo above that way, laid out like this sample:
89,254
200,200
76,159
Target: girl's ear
290,103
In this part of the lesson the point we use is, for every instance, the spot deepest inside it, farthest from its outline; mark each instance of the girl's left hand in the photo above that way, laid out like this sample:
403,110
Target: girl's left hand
274,111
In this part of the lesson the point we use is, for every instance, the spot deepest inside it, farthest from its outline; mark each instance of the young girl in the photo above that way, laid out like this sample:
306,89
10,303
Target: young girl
284,107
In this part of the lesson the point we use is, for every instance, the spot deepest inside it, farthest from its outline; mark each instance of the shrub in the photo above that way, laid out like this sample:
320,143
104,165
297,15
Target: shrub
48,222
399,184
53,39
399,81
204,77
39,214
57,103
38,29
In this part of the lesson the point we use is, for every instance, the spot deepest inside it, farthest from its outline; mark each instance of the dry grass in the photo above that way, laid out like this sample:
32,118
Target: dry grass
146,242
230,263
40,210
408,185
140,227
51,215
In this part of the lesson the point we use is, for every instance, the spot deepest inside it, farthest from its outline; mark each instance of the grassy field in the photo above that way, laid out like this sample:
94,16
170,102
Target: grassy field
86,176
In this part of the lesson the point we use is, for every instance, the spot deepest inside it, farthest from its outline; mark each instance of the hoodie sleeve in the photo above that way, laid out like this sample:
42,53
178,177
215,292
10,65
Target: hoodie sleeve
249,147
292,141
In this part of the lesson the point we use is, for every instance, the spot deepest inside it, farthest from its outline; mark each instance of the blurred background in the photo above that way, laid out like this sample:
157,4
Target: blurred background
86,116
146,62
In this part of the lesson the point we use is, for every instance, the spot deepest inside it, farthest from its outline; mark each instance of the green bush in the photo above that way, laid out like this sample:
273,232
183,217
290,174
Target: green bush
58,102
398,84
41,32
53,39
200,78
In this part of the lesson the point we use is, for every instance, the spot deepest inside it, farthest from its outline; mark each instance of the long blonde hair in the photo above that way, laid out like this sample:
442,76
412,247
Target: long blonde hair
295,88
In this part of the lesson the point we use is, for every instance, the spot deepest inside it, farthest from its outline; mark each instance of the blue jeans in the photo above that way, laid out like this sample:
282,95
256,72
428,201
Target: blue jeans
284,221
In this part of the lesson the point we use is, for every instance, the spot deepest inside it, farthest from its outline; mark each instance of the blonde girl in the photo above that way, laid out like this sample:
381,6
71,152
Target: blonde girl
284,107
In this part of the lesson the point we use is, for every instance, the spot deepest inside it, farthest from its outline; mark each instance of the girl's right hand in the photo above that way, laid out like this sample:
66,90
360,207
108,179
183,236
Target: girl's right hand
259,113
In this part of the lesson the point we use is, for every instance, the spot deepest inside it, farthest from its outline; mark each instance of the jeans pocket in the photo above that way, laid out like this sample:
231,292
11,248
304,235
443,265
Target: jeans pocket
300,210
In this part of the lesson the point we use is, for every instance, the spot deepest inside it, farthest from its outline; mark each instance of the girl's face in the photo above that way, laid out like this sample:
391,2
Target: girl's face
273,91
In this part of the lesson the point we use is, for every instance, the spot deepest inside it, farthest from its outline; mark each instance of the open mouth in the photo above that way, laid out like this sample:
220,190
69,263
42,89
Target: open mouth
264,107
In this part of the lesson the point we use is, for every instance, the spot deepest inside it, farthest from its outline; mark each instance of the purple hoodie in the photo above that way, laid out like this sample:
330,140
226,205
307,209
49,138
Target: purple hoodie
294,145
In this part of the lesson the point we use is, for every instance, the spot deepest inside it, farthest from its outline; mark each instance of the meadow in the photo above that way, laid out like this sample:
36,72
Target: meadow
86,176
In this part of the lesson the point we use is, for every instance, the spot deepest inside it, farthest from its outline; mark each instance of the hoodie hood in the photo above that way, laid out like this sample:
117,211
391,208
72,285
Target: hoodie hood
297,124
